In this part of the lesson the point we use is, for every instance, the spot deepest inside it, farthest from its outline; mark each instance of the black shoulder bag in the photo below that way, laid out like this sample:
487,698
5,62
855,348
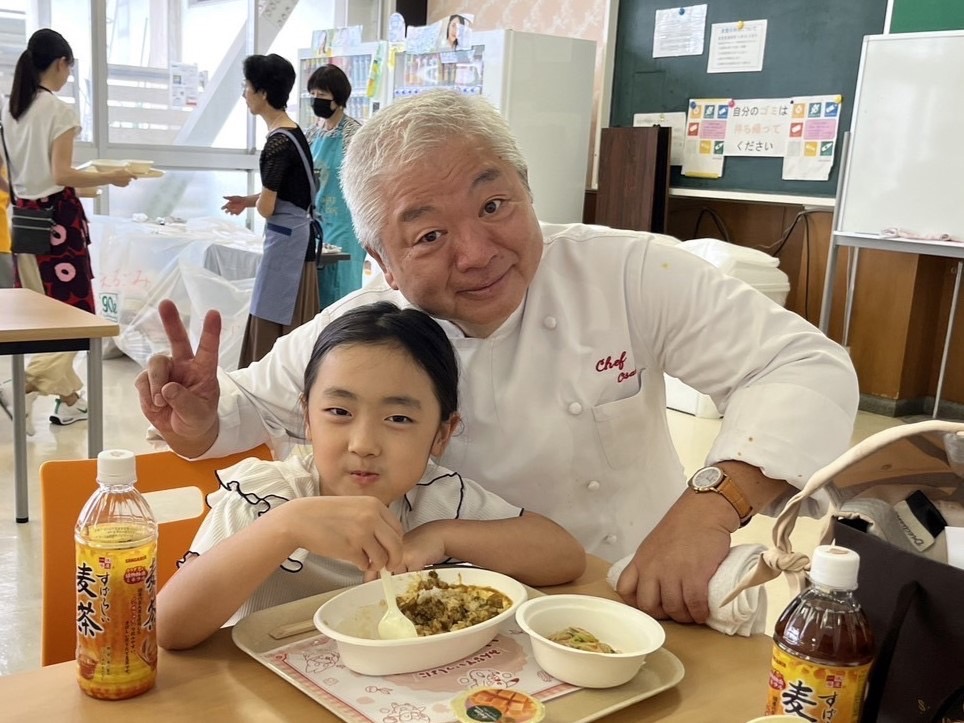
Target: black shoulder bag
30,229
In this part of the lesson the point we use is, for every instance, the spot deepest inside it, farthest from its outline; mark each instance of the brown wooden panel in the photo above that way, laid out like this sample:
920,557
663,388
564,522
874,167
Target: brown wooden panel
881,321
633,178
954,379
589,206
926,328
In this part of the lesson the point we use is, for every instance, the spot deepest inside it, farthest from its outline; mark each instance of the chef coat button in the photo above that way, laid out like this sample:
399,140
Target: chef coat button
550,322
575,408
610,539
593,485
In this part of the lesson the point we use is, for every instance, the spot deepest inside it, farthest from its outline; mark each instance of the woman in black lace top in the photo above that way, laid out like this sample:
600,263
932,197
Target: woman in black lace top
286,287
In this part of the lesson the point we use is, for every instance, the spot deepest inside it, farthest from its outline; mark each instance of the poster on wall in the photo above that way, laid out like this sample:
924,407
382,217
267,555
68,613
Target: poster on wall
737,47
812,137
324,42
451,33
758,127
679,31
703,149
456,32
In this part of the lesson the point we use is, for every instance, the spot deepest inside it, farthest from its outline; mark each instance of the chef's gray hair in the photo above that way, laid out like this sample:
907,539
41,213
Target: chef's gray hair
409,132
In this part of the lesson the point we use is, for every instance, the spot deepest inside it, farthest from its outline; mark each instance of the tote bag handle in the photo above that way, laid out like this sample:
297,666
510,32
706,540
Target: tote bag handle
781,558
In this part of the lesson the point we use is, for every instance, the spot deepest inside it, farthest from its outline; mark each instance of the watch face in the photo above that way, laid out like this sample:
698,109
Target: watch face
707,478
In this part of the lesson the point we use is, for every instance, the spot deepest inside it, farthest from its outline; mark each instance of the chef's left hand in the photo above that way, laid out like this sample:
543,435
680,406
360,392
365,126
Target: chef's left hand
670,572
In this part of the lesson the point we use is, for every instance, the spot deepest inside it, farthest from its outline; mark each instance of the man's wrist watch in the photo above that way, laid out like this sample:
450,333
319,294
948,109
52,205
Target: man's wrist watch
714,479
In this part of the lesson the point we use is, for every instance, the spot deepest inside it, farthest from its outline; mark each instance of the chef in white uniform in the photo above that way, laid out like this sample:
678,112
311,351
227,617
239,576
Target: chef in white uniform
563,334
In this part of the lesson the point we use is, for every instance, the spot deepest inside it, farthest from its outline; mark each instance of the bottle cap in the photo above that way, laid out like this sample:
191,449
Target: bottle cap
116,467
835,567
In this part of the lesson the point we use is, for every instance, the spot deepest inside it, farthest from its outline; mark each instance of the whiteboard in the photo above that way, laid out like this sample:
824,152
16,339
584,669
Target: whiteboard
905,166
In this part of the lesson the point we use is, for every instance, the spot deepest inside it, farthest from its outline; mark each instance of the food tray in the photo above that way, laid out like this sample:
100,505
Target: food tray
263,633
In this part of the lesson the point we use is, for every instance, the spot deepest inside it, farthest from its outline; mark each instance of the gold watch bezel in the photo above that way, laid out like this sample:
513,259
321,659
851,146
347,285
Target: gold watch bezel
720,482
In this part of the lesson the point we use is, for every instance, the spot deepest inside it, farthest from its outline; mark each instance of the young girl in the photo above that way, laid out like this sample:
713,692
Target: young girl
380,400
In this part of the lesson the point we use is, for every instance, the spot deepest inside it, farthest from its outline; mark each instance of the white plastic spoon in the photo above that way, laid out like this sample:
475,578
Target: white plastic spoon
393,625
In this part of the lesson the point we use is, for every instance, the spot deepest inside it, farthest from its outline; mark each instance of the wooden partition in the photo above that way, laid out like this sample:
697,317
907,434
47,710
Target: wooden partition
633,178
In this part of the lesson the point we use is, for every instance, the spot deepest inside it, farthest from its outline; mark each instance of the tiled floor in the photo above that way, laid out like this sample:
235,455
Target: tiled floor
20,544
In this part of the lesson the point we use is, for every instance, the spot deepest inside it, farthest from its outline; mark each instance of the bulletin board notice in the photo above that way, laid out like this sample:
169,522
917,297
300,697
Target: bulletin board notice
812,49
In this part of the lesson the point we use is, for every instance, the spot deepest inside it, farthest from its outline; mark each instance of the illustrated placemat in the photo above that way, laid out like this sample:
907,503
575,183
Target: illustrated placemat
423,696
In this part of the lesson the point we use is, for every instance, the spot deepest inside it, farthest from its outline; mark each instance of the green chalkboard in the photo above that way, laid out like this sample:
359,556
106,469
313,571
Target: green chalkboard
911,16
812,47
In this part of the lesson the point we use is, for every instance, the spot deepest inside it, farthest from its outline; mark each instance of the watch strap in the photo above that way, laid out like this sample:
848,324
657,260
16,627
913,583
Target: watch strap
734,495
728,489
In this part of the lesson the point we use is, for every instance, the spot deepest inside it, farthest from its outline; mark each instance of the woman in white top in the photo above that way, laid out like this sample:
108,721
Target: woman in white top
39,131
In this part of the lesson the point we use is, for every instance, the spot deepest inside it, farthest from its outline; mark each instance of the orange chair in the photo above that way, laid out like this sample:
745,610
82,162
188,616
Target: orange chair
66,485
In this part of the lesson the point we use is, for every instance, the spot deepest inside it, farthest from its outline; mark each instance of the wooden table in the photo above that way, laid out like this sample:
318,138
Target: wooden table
31,323
725,680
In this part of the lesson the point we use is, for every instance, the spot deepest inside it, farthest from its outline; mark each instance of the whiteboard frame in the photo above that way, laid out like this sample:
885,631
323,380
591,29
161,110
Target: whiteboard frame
840,236
914,197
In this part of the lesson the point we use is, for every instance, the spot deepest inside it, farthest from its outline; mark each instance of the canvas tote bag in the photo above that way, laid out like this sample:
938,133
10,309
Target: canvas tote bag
915,604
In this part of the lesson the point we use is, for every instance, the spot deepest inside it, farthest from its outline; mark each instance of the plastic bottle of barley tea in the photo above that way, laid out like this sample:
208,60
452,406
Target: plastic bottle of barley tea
116,584
822,645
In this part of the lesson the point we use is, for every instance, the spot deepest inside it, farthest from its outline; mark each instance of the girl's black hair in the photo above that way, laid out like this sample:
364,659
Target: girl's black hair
272,74
332,79
44,47
412,330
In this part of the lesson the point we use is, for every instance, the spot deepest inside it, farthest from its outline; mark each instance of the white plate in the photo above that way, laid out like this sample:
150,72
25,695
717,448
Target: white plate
89,168
113,163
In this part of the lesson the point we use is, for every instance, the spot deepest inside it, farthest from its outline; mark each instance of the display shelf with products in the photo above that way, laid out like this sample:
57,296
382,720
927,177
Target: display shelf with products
361,66
458,70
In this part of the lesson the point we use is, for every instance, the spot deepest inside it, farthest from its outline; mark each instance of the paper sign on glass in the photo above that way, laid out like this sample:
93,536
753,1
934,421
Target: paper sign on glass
184,85
737,47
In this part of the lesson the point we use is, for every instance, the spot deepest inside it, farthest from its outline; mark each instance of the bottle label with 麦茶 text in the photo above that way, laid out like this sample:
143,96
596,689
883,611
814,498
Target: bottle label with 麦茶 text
815,691
116,619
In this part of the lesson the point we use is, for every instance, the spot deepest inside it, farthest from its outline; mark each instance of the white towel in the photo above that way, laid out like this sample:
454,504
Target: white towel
746,615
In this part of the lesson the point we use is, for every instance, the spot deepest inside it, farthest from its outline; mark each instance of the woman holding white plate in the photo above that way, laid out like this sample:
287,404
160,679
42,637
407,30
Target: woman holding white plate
38,137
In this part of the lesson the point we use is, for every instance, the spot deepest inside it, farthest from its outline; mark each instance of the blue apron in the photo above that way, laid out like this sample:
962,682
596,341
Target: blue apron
286,236
335,280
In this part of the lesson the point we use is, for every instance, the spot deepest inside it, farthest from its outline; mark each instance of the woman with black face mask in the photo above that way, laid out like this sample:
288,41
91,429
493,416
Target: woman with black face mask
330,90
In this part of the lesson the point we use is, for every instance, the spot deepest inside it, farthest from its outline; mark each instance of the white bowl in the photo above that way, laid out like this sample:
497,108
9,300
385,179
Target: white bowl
351,620
630,631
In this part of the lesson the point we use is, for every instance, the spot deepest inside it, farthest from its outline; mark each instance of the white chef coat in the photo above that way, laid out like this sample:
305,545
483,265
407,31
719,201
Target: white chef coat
564,404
